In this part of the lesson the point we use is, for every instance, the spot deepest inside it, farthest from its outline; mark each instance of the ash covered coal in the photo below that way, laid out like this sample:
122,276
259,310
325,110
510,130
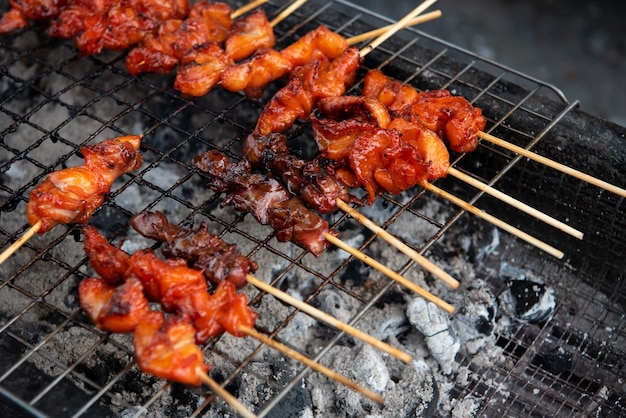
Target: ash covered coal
527,298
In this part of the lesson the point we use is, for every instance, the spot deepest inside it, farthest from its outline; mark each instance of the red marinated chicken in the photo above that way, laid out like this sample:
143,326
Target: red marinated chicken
166,348
451,117
24,10
71,195
127,23
255,73
309,83
176,38
115,309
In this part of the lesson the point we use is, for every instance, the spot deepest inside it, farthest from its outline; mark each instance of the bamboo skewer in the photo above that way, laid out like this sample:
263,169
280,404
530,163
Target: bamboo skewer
495,221
245,9
329,319
310,363
21,241
390,273
285,13
376,32
515,203
225,395
553,164
417,257
396,27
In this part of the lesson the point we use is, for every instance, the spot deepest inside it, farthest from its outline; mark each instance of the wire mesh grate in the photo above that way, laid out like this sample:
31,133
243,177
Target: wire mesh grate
52,102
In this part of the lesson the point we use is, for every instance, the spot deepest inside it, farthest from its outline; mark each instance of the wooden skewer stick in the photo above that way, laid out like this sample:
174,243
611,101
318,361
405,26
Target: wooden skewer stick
495,221
553,164
245,9
396,27
329,319
515,203
21,241
224,394
390,273
417,257
310,363
376,32
285,13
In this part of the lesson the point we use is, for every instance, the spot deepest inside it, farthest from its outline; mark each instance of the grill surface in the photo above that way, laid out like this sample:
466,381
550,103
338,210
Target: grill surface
56,363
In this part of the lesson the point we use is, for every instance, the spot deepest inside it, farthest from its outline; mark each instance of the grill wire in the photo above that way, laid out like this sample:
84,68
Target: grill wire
55,363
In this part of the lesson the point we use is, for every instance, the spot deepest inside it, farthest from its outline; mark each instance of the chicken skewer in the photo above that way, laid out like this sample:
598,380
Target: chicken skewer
71,195
191,246
270,203
452,119
320,191
165,348
385,155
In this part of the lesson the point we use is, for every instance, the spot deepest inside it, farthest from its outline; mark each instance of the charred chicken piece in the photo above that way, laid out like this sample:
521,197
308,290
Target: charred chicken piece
201,70
307,179
71,195
218,260
265,199
115,309
451,117
166,348
71,20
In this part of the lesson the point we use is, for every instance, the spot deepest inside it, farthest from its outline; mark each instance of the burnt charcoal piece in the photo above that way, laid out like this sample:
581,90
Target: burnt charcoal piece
558,360
528,299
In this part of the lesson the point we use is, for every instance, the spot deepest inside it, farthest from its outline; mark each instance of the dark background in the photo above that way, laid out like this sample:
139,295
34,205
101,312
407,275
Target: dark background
578,46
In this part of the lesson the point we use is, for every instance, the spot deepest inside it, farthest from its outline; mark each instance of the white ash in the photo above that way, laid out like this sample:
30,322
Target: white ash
434,324
466,407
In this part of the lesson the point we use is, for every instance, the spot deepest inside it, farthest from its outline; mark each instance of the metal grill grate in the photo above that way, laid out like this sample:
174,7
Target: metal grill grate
55,363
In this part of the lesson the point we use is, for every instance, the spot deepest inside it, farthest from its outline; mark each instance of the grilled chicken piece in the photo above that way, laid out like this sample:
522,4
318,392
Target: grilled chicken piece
307,179
71,195
249,34
451,117
115,309
307,84
24,10
127,23
167,349
266,199
201,70
108,261
266,65
176,38
203,251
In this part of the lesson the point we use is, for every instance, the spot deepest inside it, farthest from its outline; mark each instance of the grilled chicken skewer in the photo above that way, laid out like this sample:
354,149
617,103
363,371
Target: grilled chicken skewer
165,348
71,195
198,246
271,204
337,139
389,155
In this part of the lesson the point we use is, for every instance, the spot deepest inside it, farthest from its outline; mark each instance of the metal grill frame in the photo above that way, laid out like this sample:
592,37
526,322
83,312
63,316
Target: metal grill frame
519,108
